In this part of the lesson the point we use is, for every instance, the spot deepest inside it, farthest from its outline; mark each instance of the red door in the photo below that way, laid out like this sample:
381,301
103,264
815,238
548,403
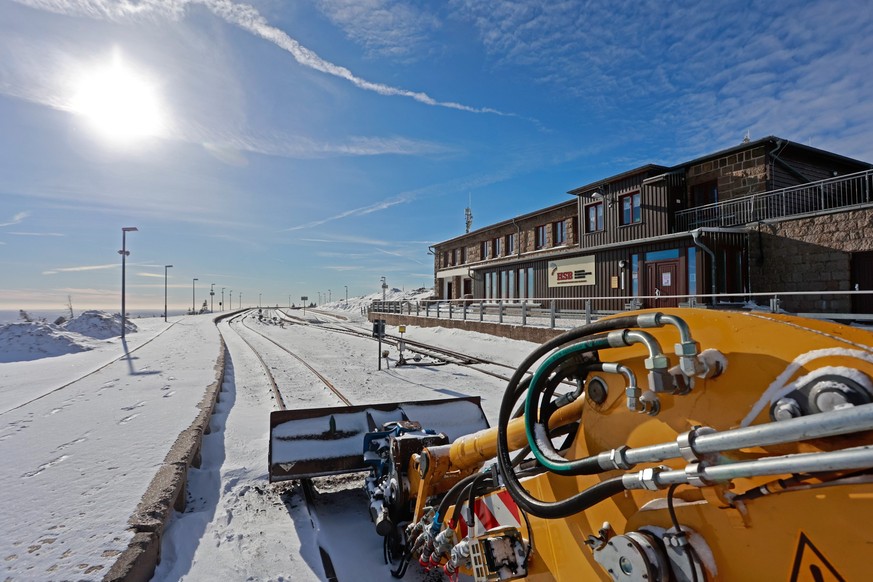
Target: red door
664,279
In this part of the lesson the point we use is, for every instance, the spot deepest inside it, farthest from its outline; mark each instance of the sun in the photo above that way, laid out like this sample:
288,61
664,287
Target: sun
120,103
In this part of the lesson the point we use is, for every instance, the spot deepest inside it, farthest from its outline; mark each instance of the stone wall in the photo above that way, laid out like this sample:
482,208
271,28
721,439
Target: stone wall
738,174
516,332
810,254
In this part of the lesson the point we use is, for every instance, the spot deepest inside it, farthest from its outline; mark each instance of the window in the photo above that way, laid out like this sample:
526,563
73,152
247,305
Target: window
463,251
595,217
522,283
530,283
483,250
458,257
503,286
447,259
630,209
540,237
488,289
559,233
495,247
510,244
512,284
706,193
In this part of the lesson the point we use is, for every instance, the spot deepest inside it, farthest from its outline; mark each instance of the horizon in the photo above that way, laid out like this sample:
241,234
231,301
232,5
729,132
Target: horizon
291,149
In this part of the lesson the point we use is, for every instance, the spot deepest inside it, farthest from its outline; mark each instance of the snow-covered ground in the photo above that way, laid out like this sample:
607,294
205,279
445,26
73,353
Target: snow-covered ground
78,456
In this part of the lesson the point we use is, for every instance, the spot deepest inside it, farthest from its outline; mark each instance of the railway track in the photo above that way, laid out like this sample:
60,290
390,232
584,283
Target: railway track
437,353
306,487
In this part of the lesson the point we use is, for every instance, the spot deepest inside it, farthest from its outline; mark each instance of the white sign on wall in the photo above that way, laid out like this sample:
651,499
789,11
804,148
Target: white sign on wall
575,271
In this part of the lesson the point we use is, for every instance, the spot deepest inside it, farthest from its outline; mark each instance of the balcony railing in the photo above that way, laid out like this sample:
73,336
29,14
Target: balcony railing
833,193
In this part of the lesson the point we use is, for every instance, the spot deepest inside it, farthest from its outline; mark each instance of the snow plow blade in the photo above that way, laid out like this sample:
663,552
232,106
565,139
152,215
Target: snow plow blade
316,442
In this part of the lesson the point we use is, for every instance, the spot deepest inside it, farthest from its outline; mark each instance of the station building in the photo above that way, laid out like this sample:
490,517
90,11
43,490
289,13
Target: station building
765,216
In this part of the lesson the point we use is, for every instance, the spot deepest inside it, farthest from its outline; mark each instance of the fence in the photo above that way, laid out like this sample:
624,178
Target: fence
833,193
555,313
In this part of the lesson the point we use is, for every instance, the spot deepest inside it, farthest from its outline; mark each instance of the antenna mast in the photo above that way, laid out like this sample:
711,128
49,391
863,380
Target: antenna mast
468,214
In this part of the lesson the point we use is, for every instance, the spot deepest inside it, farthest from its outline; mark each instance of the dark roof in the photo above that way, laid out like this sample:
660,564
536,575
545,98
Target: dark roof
776,142
507,222
648,168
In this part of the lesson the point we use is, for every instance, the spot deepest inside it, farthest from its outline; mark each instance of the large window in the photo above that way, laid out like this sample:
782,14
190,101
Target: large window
541,237
483,250
559,233
512,284
595,217
630,209
495,247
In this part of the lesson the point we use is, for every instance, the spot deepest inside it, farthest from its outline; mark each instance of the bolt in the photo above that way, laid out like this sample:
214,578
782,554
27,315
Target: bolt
786,408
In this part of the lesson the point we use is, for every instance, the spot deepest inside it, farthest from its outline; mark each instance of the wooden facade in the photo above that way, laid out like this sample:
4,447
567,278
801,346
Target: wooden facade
622,246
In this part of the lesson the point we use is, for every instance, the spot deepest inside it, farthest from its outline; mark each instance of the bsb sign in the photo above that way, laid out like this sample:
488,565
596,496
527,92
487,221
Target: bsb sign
575,271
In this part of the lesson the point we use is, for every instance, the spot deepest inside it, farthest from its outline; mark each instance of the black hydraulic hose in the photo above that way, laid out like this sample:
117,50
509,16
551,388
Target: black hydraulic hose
453,496
586,498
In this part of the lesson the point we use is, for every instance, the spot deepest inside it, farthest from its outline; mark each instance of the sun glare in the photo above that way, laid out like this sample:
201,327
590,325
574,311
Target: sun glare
119,103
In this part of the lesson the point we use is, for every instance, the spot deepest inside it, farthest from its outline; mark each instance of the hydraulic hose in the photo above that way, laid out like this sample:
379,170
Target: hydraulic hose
587,498
537,432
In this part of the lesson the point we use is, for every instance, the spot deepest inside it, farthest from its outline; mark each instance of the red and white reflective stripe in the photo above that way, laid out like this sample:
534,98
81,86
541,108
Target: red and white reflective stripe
497,509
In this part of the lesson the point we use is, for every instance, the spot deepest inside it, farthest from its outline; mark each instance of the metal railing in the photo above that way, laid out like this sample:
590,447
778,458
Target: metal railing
830,194
567,313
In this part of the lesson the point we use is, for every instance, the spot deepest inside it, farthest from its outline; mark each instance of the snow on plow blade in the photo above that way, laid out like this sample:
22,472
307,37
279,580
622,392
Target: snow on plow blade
315,442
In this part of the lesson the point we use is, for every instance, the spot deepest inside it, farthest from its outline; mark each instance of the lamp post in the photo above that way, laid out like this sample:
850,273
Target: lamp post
384,288
231,298
192,295
222,299
124,252
165,290
347,293
212,298
329,296
259,300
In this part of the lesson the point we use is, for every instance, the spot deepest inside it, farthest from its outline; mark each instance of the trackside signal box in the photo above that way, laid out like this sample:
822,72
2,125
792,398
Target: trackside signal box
378,328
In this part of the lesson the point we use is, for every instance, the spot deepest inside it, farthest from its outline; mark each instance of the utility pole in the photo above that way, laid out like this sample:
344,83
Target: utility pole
165,291
193,312
222,298
124,252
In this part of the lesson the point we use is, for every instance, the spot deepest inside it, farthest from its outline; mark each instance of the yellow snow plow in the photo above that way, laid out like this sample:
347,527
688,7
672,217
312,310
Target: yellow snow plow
674,445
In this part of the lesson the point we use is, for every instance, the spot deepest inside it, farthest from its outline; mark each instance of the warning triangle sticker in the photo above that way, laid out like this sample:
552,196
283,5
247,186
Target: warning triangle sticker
810,565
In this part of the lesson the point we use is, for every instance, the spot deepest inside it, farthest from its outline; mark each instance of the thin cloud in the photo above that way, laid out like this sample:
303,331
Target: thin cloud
16,219
82,268
385,28
248,18
362,211
36,234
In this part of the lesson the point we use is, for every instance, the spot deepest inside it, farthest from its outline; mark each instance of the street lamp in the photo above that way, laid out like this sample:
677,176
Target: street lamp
259,300
212,299
165,290
222,298
231,299
192,295
124,252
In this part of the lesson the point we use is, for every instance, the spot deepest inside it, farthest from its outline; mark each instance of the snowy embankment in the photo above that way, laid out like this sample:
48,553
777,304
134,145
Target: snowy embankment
80,455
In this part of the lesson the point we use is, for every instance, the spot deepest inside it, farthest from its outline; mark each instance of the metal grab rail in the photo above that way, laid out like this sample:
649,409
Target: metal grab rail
832,193
551,311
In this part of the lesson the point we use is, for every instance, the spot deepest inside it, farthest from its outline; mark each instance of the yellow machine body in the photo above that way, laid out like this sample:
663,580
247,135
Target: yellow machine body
813,528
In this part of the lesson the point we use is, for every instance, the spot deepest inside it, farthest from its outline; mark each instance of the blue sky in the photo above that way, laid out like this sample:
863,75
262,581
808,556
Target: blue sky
280,148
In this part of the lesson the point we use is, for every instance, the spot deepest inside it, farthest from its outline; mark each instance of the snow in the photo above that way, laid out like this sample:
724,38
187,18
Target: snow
86,420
